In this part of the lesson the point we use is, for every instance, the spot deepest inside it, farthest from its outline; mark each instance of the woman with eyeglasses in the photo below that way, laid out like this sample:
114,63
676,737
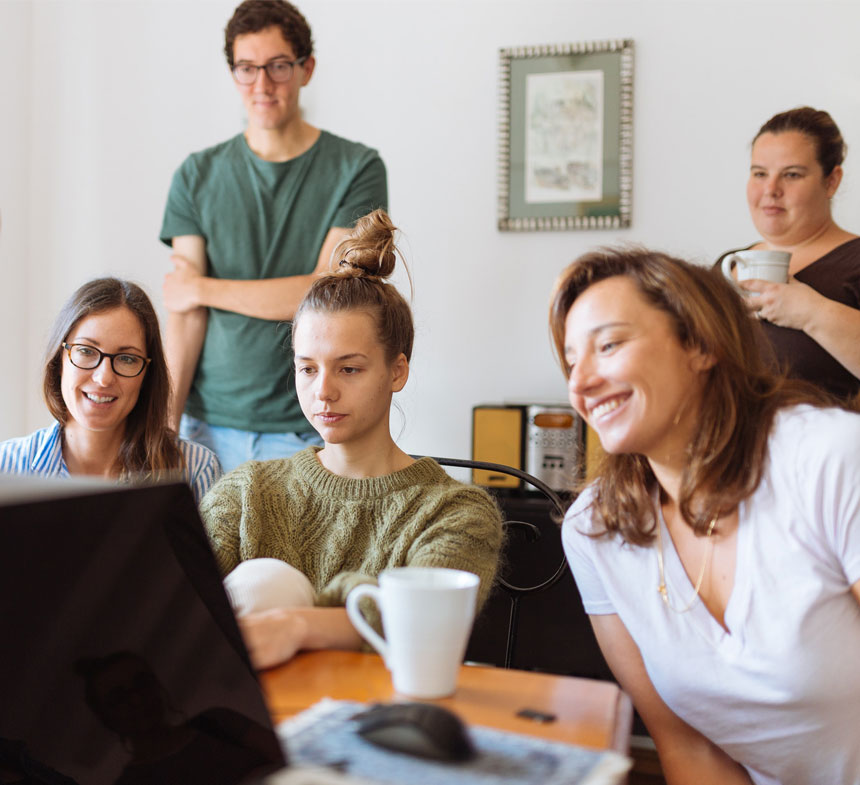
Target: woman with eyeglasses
106,385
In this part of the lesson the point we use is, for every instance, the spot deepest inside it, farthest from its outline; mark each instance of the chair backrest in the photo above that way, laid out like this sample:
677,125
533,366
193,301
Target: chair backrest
517,588
531,531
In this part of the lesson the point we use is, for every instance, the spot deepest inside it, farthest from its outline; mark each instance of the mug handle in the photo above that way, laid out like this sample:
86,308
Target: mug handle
357,618
727,265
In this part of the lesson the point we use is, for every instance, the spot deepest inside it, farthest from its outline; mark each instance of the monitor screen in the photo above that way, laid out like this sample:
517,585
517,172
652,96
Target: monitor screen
120,660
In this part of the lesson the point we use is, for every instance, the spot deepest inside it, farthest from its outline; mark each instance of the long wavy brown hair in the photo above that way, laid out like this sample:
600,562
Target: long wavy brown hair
740,397
149,448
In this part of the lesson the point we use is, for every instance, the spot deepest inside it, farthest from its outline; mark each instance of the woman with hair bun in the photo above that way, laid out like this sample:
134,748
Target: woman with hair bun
813,322
106,384
341,513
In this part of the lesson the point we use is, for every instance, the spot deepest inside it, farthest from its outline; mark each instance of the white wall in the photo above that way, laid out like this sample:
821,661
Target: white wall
15,55
121,90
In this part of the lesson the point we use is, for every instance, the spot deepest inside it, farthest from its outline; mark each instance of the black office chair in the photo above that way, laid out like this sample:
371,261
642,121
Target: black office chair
530,531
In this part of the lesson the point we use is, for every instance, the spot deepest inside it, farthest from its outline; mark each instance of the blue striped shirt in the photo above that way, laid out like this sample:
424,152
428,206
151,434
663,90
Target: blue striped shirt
41,453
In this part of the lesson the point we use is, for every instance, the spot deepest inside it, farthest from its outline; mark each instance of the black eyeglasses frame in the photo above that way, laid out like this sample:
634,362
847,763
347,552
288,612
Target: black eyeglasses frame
146,360
265,67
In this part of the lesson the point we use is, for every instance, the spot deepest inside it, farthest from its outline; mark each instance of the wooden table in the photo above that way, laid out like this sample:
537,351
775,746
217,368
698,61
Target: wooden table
590,713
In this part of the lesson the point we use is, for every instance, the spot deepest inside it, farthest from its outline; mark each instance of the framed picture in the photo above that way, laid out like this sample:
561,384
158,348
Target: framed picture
566,136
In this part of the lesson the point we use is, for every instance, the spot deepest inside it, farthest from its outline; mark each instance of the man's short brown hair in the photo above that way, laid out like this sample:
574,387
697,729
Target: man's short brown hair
252,16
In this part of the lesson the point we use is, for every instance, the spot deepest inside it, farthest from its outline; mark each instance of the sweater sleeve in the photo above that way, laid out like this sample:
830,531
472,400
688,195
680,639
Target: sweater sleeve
221,510
466,535
462,531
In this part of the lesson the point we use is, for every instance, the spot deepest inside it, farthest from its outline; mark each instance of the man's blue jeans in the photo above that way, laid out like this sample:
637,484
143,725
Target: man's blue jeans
233,446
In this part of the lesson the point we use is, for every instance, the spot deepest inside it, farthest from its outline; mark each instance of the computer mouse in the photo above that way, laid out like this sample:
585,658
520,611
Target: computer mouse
421,729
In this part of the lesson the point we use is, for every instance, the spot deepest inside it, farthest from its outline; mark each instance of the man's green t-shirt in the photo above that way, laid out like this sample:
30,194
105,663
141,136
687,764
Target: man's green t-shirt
263,220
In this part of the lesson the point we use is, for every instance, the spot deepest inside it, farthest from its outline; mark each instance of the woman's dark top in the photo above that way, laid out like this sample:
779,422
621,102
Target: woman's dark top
836,276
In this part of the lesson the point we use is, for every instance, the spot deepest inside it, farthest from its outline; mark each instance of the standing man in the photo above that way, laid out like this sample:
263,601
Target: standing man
252,221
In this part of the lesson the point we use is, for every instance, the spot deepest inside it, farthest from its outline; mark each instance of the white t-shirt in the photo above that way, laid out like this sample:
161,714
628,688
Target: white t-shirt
780,693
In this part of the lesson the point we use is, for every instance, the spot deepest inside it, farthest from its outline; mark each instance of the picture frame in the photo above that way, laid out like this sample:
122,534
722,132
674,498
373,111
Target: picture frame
566,136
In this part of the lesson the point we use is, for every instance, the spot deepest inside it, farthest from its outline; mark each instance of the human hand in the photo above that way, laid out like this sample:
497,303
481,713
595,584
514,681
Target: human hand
784,304
181,285
273,636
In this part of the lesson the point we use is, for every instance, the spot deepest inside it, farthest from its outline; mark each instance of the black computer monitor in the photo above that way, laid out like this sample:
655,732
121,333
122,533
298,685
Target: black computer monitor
120,658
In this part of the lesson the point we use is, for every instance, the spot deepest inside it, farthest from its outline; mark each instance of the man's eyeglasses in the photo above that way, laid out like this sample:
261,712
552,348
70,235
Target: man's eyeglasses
87,357
277,70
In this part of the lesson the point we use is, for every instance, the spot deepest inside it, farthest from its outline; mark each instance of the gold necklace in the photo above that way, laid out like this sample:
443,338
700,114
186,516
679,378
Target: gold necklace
662,587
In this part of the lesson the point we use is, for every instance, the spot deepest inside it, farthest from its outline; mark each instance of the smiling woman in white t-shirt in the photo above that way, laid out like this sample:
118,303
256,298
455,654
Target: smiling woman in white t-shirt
717,551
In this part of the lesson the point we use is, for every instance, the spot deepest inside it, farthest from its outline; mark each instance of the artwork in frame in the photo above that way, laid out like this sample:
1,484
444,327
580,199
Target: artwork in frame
566,136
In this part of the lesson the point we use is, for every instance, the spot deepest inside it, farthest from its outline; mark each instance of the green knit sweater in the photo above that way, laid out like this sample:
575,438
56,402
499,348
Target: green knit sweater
342,532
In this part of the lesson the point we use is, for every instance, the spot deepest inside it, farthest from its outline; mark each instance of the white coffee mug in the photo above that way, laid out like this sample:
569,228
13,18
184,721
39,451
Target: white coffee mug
765,265
427,615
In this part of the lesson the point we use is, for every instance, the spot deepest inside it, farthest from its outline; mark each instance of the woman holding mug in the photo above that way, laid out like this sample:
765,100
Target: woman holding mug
716,552
106,384
813,323
342,513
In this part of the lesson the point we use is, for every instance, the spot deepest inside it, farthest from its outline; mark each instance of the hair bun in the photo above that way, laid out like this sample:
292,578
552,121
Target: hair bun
369,250
351,268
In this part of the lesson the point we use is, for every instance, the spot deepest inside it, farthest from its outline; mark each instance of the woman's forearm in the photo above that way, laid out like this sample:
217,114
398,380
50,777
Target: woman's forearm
328,628
274,636
685,760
